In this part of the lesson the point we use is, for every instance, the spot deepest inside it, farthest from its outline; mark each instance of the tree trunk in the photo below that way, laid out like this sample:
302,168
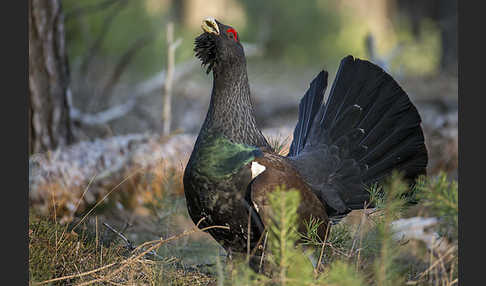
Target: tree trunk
444,12
49,124
448,24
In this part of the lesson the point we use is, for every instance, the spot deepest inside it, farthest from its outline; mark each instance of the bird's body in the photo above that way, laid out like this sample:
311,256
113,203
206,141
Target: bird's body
367,128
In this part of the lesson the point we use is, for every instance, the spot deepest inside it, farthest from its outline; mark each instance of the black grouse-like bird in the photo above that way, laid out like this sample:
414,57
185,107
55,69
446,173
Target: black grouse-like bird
367,128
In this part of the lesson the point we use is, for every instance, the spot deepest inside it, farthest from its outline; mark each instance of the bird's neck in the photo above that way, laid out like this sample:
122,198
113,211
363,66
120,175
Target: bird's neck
231,110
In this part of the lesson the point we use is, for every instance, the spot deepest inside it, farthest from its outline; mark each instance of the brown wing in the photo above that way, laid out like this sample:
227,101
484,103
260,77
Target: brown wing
279,172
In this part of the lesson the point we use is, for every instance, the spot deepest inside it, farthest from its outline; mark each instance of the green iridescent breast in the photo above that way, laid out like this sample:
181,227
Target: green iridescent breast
219,158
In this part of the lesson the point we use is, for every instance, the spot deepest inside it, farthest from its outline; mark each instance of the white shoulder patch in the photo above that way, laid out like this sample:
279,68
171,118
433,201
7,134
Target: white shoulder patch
255,206
256,169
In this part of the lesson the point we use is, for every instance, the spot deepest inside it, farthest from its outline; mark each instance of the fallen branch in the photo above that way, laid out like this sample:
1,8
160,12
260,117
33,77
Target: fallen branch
104,116
76,275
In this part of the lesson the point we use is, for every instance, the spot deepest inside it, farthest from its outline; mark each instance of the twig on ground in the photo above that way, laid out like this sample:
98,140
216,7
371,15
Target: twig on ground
76,275
322,248
128,242
123,237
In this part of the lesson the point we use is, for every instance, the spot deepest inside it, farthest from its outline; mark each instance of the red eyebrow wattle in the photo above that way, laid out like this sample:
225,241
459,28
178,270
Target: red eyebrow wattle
233,31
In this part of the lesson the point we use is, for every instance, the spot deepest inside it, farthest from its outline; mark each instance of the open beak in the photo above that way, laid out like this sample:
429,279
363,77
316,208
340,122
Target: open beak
209,25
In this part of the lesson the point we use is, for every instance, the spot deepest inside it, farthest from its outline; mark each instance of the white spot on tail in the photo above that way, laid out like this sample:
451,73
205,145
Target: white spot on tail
256,169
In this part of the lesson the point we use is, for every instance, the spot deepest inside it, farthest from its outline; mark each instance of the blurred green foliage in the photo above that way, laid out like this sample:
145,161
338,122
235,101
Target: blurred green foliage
298,32
129,21
302,33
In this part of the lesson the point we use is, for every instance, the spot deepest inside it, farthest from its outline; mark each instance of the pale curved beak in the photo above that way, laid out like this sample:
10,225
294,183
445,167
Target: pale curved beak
209,25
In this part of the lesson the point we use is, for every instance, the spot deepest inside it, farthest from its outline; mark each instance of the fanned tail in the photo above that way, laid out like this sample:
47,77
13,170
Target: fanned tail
368,128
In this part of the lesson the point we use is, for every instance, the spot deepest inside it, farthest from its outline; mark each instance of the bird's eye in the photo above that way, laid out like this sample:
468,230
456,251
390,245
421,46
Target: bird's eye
232,34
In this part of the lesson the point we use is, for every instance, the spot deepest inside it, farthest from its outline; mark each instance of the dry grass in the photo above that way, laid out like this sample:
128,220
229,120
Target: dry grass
76,253
58,256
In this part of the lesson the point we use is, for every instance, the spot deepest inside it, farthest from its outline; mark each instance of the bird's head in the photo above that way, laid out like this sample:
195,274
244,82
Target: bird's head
219,45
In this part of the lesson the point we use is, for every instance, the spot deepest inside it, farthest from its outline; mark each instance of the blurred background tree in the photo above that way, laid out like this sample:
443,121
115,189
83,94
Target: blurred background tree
300,33
442,12
49,122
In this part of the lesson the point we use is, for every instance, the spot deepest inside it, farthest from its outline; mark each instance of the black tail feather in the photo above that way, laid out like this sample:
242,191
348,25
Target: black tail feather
397,154
374,126
308,108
